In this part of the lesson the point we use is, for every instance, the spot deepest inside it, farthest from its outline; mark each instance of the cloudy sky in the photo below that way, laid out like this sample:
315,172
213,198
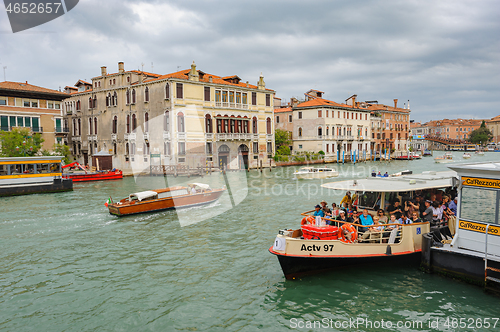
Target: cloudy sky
443,56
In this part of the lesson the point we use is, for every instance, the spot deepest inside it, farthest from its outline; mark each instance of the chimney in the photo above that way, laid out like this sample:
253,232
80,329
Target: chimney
261,85
193,74
210,80
121,69
103,71
395,103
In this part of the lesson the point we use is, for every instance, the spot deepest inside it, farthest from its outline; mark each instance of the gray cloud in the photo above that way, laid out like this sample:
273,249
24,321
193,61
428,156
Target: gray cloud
443,56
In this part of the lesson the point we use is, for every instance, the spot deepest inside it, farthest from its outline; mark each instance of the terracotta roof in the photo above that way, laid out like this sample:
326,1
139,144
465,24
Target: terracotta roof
27,87
321,102
382,107
281,110
82,82
496,118
453,122
183,75
131,71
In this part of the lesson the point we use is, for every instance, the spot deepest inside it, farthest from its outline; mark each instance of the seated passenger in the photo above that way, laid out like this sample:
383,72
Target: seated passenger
405,220
386,175
415,217
318,211
395,209
334,211
389,228
381,216
374,174
366,220
341,217
374,233
325,208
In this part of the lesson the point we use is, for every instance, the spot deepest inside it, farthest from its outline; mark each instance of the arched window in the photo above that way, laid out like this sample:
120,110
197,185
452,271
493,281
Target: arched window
146,94
108,100
166,121
74,127
115,125
128,96
128,124
90,102
146,122
167,91
95,102
327,130
95,125
78,107
90,126
127,150
268,125
134,122
132,148
115,101
114,148
254,125
208,123
180,122
320,131
300,132
133,96
79,126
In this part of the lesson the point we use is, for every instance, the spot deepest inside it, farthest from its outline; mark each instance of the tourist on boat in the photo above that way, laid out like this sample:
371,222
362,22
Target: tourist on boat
415,218
318,211
386,175
395,209
390,228
437,212
381,216
405,219
374,233
354,219
325,208
428,213
412,205
342,216
347,199
374,174
453,206
379,174
334,211
366,218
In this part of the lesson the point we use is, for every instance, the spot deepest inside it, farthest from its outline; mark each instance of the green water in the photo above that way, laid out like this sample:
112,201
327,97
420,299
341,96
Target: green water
66,264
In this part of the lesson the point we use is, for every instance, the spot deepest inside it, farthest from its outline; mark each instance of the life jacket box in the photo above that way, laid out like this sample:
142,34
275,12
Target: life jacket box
321,233
291,232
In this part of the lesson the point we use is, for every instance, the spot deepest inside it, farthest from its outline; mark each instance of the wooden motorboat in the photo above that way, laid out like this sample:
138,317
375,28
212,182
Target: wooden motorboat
194,194
446,158
84,175
315,173
317,247
466,156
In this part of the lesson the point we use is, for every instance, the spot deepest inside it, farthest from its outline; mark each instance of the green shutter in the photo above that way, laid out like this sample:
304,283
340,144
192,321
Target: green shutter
27,121
4,123
12,121
58,126
34,123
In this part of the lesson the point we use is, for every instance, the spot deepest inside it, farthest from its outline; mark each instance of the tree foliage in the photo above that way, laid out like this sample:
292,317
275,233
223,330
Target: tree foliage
281,137
283,150
19,142
482,135
62,150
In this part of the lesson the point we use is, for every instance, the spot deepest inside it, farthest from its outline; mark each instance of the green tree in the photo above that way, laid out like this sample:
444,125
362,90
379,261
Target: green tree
19,142
283,150
281,137
62,150
482,135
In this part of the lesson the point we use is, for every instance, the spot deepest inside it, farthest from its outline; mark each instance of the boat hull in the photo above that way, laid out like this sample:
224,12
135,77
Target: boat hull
100,176
57,185
294,267
316,175
161,204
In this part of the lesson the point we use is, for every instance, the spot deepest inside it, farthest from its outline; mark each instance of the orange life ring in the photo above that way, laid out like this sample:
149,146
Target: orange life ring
351,229
308,220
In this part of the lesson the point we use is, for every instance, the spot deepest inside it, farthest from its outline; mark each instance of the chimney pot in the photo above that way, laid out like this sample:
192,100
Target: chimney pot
121,67
103,71
395,103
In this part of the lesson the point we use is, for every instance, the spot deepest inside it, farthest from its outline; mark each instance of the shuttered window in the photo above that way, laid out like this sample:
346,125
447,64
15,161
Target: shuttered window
207,93
179,91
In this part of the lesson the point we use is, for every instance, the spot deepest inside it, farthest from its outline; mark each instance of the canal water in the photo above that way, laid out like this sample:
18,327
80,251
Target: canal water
66,264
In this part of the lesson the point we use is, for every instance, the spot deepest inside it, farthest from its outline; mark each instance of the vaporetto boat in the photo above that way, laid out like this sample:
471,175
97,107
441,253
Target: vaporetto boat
315,248
315,173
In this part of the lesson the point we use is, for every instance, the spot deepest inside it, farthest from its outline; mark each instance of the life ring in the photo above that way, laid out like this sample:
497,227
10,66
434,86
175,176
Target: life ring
308,220
351,229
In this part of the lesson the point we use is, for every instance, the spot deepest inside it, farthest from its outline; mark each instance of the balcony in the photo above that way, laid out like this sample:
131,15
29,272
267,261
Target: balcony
166,135
61,130
92,137
350,138
233,136
146,136
269,137
181,135
76,138
209,136
255,137
114,137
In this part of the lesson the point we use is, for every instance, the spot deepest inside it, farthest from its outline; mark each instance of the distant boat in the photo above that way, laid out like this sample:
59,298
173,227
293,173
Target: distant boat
466,155
194,194
480,153
446,158
315,173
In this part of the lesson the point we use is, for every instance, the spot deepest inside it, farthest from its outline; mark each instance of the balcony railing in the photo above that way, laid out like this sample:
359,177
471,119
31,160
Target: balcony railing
269,137
209,136
61,130
146,136
130,136
76,138
181,135
114,137
233,136
166,135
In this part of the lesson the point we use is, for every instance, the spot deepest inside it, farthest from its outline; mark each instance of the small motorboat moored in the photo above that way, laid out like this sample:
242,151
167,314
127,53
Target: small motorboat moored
194,194
315,173
466,155
82,175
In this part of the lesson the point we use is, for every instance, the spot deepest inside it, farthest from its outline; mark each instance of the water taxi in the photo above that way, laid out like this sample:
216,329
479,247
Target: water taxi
466,155
83,175
473,254
193,194
31,175
315,173
316,247
446,158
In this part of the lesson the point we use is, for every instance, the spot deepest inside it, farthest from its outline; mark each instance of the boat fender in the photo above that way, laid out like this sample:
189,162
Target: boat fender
351,229
388,251
308,220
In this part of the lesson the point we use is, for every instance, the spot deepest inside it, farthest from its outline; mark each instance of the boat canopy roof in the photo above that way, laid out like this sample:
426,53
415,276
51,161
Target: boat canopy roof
411,182
143,195
200,185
